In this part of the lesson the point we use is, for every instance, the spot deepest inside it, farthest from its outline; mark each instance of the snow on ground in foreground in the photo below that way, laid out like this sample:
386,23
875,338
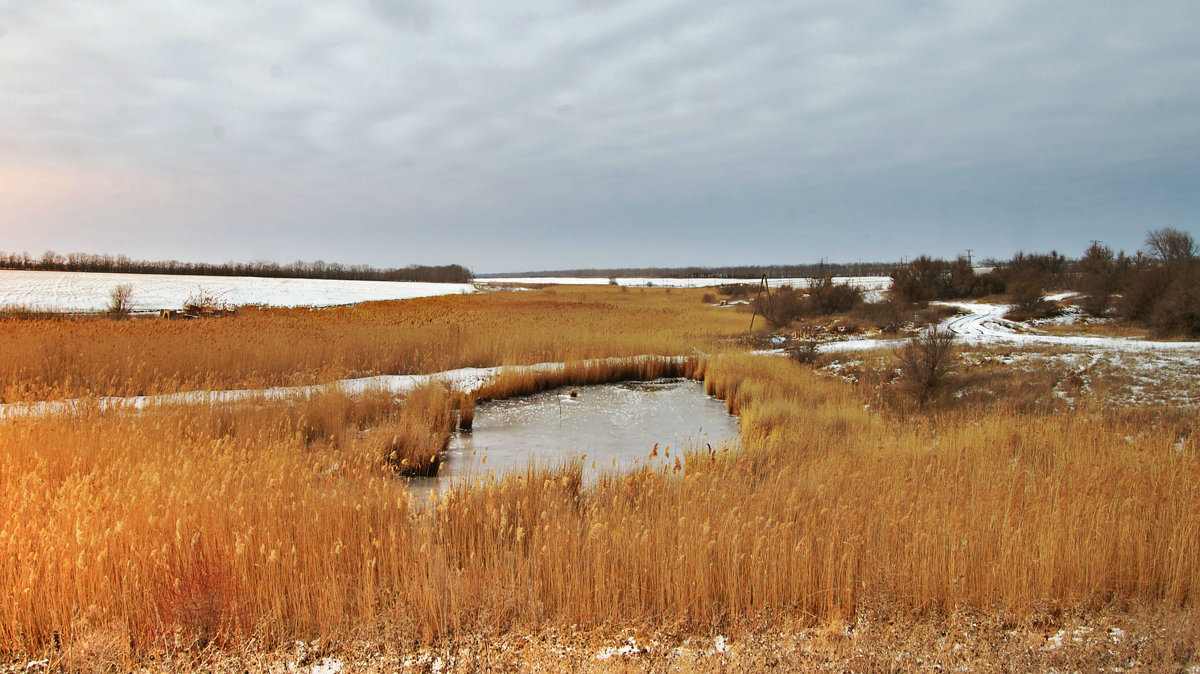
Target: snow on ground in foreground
87,292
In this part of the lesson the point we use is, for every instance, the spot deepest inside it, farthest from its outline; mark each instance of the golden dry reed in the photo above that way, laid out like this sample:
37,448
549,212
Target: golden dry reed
187,526
413,442
511,383
50,359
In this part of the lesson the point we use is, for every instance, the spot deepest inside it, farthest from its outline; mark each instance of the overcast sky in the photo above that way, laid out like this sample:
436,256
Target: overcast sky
512,136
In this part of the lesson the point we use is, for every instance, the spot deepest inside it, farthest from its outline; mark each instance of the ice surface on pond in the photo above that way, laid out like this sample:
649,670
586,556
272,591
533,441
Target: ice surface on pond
615,426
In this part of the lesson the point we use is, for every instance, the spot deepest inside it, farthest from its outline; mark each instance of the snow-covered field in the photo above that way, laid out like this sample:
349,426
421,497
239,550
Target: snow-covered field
873,285
85,292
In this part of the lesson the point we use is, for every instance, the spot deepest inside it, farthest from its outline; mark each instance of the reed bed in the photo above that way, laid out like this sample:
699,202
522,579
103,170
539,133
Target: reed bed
412,443
511,383
178,527
257,348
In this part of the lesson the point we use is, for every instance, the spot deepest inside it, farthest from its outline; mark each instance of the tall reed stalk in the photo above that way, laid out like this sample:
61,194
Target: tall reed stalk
180,527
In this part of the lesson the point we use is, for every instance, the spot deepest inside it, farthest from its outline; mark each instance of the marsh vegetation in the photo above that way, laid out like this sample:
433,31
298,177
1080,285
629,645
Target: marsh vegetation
185,532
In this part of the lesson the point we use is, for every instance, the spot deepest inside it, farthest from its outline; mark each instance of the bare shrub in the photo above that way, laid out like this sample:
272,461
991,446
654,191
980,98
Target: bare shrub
202,303
927,364
1177,311
781,307
1097,279
197,599
826,297
823,297
888,316
1161,291
120,300
1026,287
807,347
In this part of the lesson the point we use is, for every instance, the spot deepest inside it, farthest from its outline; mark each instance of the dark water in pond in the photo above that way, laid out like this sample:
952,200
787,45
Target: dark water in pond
613,426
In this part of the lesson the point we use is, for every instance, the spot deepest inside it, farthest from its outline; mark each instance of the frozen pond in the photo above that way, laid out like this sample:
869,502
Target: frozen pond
613,427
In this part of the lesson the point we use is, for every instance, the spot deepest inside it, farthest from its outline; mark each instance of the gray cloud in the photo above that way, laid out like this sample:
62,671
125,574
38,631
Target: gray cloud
534,135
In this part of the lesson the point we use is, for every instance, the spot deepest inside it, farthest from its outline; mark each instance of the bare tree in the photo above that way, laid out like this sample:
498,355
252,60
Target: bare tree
120,301
1171,245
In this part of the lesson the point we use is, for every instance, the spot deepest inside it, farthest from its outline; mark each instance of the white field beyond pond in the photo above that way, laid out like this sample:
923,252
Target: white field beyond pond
83,292
872,286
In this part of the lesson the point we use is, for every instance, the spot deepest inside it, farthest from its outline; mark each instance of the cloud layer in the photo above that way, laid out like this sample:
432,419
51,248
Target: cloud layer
586,133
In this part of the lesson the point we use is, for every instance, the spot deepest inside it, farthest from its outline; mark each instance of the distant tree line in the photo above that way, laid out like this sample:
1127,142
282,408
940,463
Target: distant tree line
816,270
85,262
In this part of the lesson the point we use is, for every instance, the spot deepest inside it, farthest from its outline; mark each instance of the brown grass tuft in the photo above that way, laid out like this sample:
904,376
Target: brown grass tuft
412,443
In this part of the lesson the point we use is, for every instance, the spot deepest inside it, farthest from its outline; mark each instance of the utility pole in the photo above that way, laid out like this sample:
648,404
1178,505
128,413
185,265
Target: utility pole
769,314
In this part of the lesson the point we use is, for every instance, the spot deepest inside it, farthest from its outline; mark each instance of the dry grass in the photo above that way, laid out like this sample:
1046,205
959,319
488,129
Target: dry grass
412,443
511,383
465,404
49,359
180,529
1094,328
965,641
183,530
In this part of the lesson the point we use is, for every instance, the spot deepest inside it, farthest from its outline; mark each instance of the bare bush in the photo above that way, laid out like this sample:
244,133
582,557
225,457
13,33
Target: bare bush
927,364
807,346
1026,290
780,308
826,297
120,300
202,303
1097,279
1177,311
1160,292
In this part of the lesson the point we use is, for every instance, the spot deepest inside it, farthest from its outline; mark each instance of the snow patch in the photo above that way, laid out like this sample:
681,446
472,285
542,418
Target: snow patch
465,379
